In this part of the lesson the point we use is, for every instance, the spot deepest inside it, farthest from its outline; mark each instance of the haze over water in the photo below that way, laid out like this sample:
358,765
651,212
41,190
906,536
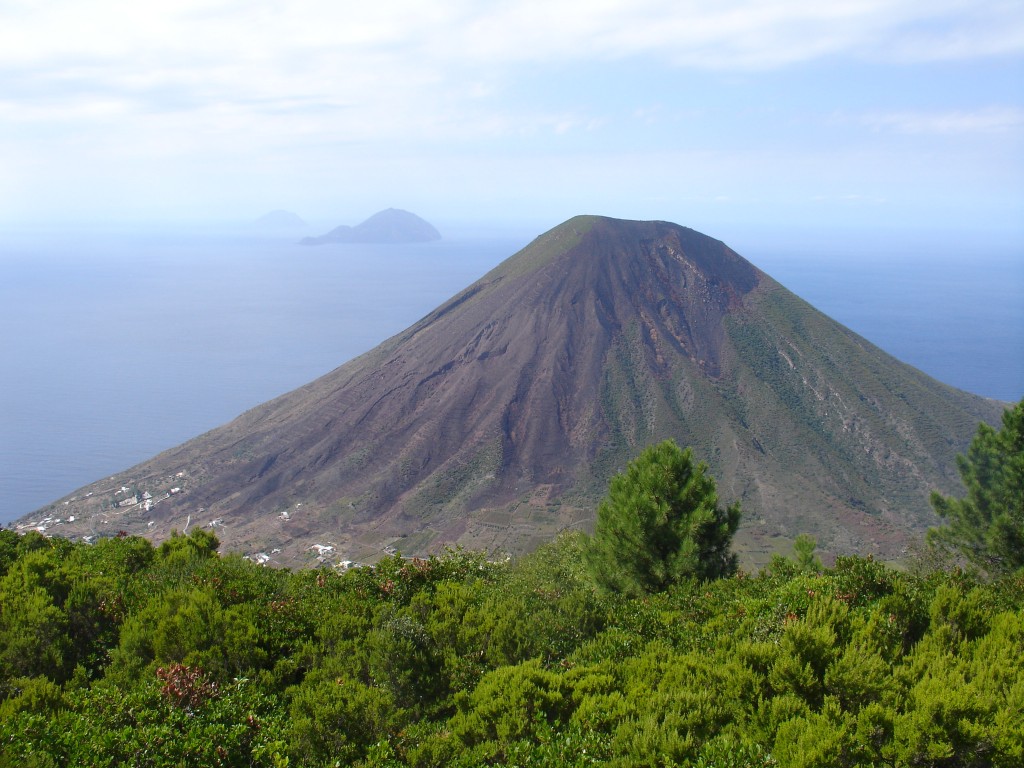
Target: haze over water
121,345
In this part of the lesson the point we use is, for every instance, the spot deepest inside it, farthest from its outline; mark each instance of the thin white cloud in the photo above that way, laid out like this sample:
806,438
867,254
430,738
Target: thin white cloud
403,59
421,50
990,120
700,33
290,82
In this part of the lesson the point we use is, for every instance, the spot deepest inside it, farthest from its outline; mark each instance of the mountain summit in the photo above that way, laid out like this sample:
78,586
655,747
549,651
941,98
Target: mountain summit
497,419
389,226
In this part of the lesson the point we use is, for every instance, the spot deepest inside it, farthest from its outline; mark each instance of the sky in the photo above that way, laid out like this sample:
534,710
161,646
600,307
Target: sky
787,115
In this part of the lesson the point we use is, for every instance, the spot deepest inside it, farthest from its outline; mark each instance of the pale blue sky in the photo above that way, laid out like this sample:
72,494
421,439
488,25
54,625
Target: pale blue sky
868,115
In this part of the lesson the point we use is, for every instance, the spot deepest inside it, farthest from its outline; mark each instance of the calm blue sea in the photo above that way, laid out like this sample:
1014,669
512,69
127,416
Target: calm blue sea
118,345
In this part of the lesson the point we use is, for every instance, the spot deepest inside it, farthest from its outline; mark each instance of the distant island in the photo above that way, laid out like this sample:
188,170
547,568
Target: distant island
388,226
279,221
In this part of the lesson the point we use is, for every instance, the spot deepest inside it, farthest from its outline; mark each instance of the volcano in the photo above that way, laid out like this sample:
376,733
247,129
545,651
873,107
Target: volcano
496,421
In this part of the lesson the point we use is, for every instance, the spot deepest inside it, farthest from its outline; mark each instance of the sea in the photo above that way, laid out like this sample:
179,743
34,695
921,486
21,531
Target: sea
117,345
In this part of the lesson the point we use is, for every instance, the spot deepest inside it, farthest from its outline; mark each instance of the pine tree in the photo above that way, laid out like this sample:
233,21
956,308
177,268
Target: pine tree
661,523
987,525
803,549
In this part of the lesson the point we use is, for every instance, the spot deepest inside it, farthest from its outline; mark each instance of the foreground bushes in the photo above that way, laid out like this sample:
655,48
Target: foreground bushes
122,654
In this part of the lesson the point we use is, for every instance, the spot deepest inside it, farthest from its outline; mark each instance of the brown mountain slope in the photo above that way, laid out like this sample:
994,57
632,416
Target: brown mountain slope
497,420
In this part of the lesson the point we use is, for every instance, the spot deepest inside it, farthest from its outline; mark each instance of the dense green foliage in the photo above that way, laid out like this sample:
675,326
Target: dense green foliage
660,525
987,525
120,653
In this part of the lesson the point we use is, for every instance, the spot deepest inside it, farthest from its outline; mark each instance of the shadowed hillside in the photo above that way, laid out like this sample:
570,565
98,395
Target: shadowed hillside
497,420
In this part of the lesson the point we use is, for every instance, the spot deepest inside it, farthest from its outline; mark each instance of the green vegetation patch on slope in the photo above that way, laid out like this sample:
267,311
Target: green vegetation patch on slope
449,487
542,250
886,423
